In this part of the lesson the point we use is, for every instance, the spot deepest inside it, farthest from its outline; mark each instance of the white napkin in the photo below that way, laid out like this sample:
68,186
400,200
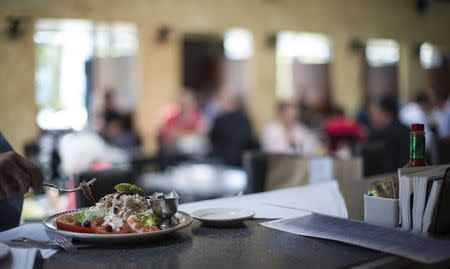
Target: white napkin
24,258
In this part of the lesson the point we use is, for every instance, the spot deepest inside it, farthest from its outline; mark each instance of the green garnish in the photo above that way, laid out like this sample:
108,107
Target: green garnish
77,217
127,187
148,218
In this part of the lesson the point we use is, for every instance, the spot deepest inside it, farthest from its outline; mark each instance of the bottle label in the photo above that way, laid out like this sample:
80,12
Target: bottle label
417,147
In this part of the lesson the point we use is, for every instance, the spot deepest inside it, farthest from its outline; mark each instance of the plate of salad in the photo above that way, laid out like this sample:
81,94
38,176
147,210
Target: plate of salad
123,216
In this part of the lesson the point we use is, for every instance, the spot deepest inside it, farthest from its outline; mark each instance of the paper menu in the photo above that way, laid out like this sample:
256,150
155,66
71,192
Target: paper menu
324,198
430,211
392,241
422,188
406,191
24,258
415,184
262,211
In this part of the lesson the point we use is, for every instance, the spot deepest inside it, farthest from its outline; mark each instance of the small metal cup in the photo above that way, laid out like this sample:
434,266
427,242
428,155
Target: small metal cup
164,206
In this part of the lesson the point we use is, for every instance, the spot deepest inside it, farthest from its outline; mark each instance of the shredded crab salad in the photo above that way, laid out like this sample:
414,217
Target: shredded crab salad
125,211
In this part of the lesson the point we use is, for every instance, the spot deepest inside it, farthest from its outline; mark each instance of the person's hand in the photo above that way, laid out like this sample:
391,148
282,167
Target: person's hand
17,175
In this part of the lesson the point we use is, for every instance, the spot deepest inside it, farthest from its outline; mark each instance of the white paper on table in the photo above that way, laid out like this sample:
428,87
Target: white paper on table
388,240
23,258
261,210
324,198
320,169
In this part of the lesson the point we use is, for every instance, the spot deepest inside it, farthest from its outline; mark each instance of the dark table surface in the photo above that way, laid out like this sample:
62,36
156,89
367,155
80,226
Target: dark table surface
247,246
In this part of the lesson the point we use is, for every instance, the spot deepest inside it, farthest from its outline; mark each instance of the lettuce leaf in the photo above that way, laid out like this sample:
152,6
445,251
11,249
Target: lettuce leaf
148,218
127,187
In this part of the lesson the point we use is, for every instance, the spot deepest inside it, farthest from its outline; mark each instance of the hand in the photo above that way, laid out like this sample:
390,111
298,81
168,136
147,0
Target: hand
17,175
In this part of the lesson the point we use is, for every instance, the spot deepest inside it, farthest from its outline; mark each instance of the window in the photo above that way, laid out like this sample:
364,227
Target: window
430,56
381,68
63,48
238,44
238,48
382,52
306,49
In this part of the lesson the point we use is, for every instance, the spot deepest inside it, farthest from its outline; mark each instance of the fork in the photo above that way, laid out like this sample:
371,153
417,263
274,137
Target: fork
68,190
66,244
59,242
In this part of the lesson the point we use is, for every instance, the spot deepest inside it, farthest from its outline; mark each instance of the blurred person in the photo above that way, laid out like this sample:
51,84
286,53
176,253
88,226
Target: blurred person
341,131
182,126
82,151
418,111
17,175
439,100
231,132
104,107
307,114
442,113
389,132
286,135
212,108
108,101
117,133
362,117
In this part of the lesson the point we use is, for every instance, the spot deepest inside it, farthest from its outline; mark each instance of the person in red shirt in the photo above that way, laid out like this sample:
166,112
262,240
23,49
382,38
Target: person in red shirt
341,129
179,120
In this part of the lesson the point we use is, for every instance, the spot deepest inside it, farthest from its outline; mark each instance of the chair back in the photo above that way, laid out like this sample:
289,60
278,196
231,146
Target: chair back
273,171
373,159
255,165
443,149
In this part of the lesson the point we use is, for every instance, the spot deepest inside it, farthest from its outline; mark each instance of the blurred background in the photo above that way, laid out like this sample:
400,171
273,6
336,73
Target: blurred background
206,97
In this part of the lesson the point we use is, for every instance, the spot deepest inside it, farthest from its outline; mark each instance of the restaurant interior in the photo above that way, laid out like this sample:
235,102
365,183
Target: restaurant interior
226,100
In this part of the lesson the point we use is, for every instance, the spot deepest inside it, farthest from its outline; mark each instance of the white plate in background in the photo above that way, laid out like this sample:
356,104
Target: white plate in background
223,216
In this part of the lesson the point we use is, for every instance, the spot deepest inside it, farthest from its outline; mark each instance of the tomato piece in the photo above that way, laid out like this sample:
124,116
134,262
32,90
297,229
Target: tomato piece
63,223
137,226
97,227
125,228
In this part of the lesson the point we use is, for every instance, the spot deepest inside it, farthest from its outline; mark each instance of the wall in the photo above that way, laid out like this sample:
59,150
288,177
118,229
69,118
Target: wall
17,105
159,77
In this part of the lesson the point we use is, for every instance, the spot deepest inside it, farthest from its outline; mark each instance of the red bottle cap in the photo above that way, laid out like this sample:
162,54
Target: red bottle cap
417,127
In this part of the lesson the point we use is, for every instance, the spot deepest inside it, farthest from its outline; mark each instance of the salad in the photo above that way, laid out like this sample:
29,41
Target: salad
125,211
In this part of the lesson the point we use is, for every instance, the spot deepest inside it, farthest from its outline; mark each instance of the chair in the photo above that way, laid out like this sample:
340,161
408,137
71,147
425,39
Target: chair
255,165
443,151
106,180
373,156
272,171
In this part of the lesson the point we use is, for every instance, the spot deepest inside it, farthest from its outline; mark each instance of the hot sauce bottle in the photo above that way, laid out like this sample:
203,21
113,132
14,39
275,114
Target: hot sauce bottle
416,146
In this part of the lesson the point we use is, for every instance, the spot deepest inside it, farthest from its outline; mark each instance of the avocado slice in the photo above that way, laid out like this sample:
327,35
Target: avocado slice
127,187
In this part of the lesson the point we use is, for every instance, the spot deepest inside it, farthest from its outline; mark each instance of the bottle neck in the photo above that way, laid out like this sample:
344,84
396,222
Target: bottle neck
417,146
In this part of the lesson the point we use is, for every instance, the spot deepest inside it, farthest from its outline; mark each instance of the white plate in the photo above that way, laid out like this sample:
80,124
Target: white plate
4,250
183,219
223,216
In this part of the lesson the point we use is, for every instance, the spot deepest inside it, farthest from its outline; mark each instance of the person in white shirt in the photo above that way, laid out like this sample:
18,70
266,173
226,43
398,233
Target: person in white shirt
419,111
444,111
286,135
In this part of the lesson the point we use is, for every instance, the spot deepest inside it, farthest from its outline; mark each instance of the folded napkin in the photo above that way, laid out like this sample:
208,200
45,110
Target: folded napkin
24,258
